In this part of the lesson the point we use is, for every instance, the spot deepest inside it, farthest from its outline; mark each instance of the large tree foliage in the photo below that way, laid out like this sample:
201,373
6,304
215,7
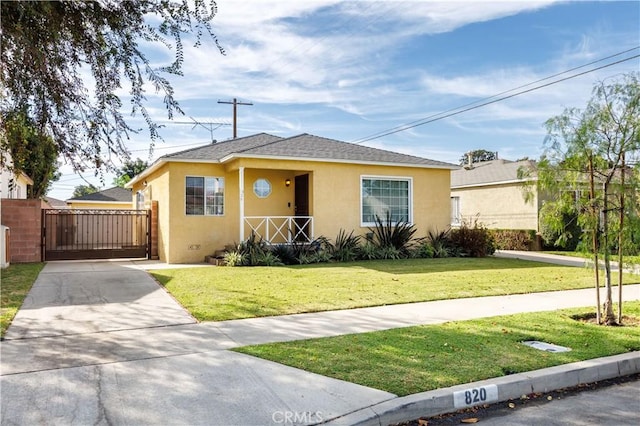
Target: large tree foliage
590,172
32,152
81,190
128,170
68,61
478,156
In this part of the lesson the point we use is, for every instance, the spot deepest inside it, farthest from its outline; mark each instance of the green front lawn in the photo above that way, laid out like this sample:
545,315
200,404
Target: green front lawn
416,359
16,281
223,293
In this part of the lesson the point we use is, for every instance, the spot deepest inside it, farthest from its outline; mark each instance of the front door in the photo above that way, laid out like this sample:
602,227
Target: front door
301,232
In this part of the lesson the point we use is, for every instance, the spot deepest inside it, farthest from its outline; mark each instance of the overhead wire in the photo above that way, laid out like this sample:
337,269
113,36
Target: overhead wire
498,97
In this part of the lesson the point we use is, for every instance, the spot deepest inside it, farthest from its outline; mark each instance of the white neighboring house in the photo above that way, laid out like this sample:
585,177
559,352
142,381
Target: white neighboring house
12,184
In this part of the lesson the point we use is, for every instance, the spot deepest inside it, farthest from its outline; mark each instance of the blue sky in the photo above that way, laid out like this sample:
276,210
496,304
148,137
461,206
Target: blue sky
349,70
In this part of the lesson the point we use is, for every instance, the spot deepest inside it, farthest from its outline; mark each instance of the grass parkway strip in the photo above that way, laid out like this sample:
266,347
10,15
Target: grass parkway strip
416,359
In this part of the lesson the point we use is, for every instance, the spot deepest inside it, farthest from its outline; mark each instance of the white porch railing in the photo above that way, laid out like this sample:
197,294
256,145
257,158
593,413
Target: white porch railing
281,229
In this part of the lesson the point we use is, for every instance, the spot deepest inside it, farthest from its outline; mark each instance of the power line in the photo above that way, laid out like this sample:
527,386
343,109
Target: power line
490,100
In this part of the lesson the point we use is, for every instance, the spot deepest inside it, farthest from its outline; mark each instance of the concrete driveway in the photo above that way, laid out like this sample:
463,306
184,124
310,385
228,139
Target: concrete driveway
87,297
102,343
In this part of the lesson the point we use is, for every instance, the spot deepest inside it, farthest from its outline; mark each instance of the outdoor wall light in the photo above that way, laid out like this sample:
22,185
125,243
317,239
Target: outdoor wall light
287,182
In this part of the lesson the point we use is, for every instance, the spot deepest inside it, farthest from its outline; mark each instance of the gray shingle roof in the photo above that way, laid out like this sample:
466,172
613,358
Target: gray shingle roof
488,172
217,151
303,146
115,194
55,203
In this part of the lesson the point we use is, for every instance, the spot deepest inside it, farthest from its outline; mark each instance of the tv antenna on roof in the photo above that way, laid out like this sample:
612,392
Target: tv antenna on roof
209,125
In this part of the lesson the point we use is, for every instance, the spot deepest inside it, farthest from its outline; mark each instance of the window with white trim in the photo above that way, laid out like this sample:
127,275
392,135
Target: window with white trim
204,196
262,188
382,196
456,216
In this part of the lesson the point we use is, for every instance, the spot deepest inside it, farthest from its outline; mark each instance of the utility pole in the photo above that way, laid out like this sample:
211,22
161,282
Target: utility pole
235,104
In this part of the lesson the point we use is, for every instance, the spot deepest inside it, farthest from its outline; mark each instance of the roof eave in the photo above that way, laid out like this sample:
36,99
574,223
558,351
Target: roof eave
334,160
159,163
493,183
71,201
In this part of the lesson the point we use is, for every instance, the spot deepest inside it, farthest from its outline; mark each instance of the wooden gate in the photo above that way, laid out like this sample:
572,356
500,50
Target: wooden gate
95,234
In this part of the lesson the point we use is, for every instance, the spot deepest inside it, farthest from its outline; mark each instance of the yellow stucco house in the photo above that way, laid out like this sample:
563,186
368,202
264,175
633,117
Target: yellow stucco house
492,193
285,189
115,198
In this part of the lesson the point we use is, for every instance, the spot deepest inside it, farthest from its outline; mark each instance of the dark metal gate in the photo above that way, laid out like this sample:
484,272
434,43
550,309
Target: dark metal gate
95,234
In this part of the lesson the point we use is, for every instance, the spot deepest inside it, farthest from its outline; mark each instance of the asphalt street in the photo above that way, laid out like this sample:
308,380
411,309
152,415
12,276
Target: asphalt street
614,405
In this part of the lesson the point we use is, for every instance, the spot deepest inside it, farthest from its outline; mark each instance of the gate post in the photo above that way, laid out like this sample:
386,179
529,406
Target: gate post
153,231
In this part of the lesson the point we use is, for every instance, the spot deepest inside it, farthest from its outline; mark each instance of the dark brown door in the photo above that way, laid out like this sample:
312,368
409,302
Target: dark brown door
301,231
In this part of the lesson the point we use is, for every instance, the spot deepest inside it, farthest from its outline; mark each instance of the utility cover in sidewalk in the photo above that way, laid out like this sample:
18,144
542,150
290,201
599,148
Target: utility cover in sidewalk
548,347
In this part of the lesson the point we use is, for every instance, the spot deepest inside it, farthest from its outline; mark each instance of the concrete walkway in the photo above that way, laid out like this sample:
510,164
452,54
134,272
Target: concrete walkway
535,256
102,343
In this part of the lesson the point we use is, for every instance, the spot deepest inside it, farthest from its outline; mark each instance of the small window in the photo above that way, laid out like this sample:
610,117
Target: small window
262,188
140,200
456,217
204,196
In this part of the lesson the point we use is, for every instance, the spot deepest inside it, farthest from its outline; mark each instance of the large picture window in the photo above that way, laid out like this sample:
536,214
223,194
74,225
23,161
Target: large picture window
204,196
382,196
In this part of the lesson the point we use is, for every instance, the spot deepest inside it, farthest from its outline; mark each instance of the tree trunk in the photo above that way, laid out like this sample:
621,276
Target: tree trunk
596,264
609,317
621,241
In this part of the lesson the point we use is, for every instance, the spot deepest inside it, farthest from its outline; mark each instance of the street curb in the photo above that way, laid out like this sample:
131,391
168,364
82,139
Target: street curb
441,401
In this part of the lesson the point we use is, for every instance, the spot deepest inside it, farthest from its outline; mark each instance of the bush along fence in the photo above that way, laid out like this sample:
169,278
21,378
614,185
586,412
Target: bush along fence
387,240
516,239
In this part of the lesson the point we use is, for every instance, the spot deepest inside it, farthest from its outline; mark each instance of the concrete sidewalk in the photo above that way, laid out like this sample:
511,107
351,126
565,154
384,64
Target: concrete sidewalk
130,370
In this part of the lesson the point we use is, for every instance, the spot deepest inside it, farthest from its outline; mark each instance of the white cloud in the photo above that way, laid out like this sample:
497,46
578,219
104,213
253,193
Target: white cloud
273,57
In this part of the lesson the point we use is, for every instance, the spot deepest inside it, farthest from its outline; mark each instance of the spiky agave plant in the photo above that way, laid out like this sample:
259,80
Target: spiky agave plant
398,235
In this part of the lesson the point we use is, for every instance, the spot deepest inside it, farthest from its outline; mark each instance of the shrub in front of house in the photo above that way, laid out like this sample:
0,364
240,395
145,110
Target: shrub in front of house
393,240
346,247
437,244
387,240
514,239
251,252
473,241
256,252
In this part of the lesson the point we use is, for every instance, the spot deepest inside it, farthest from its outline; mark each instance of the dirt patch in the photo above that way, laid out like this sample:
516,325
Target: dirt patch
627,320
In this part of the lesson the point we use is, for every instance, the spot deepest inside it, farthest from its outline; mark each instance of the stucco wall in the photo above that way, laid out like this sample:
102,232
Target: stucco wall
498,206
334,197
